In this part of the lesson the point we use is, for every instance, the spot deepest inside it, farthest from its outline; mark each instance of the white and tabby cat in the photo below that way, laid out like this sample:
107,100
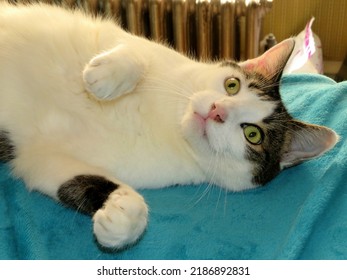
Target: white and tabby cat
88,112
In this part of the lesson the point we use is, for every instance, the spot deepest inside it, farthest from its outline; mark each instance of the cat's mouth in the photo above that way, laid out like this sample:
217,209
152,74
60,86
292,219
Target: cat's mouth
204,127
201,123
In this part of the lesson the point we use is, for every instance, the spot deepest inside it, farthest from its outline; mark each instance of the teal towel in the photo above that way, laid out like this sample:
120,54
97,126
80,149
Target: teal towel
301,214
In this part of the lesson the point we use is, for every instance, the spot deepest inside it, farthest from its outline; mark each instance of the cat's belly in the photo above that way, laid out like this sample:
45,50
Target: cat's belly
158,175
147,164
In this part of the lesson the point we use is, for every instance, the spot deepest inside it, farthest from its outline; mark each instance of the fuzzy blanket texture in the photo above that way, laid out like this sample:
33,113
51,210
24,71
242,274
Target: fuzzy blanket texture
301,214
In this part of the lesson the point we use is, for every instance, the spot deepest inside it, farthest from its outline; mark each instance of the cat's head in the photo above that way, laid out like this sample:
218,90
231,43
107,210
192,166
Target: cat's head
238,128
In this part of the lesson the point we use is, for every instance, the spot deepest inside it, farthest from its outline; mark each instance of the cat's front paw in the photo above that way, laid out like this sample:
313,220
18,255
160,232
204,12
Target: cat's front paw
122,219
113,73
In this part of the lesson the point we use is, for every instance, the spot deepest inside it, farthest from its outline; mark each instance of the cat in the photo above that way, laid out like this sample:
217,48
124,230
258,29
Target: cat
89,113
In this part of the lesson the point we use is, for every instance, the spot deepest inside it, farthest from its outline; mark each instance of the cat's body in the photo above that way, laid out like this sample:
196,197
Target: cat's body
85,106
70,120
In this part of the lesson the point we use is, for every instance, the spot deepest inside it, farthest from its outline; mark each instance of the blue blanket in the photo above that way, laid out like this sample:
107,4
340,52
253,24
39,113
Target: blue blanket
301,214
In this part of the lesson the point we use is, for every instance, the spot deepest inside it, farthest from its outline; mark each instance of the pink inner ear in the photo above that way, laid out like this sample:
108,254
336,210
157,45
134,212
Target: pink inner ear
258,65
271,61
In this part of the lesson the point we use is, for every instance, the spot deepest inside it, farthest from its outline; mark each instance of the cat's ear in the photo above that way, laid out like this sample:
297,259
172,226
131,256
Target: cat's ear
307,141
271,64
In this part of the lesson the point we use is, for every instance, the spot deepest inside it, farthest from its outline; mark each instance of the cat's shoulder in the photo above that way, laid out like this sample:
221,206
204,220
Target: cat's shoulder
55,20
43,11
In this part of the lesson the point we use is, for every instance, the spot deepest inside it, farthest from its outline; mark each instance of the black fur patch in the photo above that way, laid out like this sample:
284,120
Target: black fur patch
230,63
7,149
267,162
86,193
266,168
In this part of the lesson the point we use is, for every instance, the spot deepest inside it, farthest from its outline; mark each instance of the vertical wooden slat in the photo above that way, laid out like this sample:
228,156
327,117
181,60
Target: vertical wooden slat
255,12
228,30
157,22
203,35
115,8
134,16
92,6
191,27
251,29
180,25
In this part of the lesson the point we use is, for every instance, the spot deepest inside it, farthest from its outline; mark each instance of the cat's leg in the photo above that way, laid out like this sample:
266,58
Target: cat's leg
119,213
114,72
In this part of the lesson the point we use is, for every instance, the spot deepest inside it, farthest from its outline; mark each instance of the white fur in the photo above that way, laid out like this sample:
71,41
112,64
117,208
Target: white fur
122,219
81,96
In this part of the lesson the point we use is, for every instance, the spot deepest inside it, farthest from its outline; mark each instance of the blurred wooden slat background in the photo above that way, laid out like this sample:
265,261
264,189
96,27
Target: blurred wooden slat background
289,17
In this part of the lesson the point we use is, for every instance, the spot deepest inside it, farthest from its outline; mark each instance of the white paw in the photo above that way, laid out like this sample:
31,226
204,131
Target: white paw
113,73
122,220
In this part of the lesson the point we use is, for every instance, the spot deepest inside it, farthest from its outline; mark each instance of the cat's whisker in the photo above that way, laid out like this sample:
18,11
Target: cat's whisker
219,197
225,201
222,190
172,94
295,132
205,192
212,167
264,81
161,83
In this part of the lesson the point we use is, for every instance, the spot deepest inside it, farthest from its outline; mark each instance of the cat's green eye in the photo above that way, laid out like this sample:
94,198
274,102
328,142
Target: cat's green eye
232,85
253,134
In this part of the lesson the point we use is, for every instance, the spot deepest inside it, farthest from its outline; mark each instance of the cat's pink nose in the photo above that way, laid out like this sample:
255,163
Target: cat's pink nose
217,113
